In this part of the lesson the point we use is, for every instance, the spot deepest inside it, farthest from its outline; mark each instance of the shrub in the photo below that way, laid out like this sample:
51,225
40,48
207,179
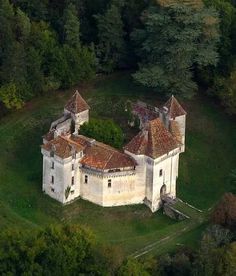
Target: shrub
105,131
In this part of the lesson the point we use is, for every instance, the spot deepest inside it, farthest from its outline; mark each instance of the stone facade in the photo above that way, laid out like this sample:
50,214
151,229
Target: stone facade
76,166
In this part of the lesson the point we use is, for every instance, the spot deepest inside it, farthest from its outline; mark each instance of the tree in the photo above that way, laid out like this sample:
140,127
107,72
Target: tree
10,96
230,260
71,27
225,89
227,49
55,250
105,131
132,267
22,27
232,180
111,43
225,211
177,37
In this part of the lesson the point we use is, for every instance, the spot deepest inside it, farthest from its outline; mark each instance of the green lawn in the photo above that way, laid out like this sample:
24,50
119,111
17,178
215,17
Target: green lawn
210,156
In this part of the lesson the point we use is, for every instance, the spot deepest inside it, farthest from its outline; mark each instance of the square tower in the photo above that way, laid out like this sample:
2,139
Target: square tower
79,110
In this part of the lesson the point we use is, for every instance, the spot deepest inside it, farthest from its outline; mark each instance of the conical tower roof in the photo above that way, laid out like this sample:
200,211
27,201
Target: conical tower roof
174,108
77,104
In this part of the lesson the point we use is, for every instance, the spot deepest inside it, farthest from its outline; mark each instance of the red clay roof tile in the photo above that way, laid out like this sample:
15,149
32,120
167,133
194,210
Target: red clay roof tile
154,141
77,104
174,108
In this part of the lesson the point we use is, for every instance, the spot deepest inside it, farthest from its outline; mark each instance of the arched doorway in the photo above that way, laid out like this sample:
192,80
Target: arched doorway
163,191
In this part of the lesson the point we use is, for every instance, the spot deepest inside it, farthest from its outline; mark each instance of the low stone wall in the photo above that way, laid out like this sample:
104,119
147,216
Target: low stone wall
171,212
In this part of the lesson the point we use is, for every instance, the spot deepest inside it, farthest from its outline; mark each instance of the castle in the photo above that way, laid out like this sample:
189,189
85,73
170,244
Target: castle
144,172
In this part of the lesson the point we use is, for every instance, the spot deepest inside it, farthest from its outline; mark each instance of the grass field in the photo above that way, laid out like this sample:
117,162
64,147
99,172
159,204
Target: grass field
204,168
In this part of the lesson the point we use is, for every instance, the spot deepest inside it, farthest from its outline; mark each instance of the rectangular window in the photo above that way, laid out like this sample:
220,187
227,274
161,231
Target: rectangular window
85,179
52,189
72,192
52,165
52,179
72,167
109,183
160,172
52,153
72,180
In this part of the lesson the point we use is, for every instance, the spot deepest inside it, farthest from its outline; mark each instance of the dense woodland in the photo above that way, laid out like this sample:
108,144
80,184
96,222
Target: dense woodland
74,250
179,47
175,47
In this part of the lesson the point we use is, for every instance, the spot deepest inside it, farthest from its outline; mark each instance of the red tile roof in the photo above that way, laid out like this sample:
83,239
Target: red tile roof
49,136
154,141
174,108
62,147
77,104
101,156
174,129
96,154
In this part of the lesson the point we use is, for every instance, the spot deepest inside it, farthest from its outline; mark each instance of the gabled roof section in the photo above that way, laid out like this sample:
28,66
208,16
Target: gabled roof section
154,141
77,104
174,108
100,156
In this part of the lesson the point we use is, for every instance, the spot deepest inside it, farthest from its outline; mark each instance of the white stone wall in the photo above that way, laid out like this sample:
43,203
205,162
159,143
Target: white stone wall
124,189
63,127
62,173
168,164
127,187
80,119
93,189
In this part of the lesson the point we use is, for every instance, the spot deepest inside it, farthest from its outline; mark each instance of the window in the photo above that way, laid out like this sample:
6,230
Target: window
160,172
52,165
85,179
109,183
52,179
52,189
72,167
72,192
72,180
52,153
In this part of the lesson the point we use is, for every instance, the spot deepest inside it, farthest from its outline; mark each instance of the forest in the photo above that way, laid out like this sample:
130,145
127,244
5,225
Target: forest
180,47
174,47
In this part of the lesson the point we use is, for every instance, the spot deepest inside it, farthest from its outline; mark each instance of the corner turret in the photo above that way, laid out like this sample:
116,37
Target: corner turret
79,110
174,112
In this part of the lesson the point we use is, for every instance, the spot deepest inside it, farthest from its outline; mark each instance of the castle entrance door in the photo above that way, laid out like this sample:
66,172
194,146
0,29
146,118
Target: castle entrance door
163,191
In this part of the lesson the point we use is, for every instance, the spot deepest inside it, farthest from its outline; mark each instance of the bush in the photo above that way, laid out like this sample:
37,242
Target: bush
105,131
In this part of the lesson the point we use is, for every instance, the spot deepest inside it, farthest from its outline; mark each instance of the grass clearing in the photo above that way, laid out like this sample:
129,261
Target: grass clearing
209,158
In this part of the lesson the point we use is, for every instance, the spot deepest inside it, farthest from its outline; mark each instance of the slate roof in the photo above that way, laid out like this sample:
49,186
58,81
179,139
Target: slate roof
154,141
77,104
174,108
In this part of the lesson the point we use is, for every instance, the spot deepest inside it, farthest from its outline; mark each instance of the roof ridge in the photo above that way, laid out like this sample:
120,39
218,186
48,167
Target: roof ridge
108,159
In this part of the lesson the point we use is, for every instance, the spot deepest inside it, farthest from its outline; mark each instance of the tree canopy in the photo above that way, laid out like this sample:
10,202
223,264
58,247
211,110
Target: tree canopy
177,37
105,131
